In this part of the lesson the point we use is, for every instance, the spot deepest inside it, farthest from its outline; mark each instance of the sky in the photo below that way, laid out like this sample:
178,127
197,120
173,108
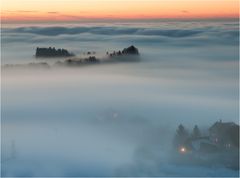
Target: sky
76,10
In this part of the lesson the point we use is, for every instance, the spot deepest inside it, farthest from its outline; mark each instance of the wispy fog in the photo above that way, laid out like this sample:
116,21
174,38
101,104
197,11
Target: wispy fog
116,119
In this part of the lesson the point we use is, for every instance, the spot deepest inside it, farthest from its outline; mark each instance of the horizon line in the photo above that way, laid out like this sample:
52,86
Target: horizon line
106,19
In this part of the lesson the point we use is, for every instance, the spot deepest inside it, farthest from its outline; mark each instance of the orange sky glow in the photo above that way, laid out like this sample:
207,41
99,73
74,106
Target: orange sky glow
77,10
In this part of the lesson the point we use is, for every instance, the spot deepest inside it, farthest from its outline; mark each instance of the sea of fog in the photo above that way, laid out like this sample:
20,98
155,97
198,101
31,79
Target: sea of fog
115,119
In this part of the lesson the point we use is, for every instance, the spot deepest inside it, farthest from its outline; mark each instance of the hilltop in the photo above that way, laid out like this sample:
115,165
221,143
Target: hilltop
52,52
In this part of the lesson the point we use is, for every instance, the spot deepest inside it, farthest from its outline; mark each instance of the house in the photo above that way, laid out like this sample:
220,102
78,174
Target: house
225,134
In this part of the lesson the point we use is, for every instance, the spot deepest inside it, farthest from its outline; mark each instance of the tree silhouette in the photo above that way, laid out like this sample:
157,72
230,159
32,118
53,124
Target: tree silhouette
181,135
131,50
196,132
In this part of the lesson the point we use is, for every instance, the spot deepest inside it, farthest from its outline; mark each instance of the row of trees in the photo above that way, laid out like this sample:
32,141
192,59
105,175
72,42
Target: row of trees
52,52
182,134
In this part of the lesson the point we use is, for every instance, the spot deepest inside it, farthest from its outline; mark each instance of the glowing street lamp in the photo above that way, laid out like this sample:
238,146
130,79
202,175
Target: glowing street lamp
182,149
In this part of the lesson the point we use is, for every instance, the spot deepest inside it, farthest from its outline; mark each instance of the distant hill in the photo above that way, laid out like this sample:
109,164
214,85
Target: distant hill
131,50
52,52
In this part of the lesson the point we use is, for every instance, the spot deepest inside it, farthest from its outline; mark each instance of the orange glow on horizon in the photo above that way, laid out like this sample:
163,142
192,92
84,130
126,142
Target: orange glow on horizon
76,10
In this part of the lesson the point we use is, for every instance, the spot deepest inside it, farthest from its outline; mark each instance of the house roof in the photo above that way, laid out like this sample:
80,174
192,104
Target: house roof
222,126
